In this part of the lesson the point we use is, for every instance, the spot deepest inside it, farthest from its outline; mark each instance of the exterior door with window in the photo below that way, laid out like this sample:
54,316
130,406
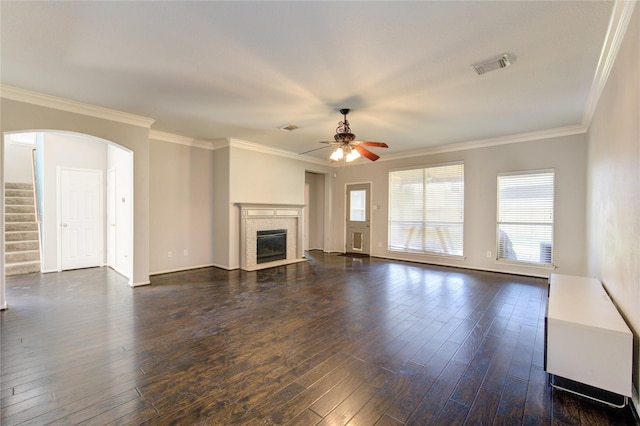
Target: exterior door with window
358,218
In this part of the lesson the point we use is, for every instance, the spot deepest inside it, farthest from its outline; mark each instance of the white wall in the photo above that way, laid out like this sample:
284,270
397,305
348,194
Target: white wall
17,165
613,232
63,150
181,198
567,155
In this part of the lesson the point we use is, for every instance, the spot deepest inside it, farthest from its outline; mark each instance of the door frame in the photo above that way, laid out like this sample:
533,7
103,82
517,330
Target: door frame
346,213
59,170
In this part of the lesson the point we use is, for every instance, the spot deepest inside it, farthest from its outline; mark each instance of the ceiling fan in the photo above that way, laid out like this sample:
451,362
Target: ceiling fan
347,148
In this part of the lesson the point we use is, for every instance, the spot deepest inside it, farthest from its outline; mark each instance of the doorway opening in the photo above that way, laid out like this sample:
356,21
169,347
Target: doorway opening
61,165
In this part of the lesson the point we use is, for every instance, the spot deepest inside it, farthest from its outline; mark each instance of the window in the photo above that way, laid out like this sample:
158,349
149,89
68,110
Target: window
525,217
358,204
426,209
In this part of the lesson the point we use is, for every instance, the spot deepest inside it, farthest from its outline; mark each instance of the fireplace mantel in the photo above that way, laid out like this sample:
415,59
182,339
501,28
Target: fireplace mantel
259,217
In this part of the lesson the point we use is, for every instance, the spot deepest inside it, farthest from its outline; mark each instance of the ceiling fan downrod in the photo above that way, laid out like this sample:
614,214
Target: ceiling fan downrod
343,131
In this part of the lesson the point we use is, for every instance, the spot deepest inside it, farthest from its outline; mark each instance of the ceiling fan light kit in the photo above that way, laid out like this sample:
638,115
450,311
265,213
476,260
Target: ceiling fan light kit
348,149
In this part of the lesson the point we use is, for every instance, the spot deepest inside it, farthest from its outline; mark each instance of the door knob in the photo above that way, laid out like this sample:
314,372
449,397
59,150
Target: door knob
64,225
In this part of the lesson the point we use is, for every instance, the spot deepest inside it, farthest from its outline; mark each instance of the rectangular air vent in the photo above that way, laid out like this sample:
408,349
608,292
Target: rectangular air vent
491,65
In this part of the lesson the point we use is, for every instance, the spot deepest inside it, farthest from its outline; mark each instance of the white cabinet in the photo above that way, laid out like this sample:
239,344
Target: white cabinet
587,340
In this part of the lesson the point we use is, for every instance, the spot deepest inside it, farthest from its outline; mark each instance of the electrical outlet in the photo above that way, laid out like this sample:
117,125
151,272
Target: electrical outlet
185,252
489,254
170,254
379,244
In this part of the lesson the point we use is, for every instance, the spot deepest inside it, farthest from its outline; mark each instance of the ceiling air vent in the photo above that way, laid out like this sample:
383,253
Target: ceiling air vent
491,65
288,127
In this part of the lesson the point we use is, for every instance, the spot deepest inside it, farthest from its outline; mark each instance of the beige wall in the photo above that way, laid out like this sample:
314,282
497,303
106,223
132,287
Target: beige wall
316,204
567,155
258,177
21,116
181,207
613,232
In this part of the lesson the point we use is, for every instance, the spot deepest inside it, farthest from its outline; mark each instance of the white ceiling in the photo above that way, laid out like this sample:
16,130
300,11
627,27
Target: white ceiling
210,70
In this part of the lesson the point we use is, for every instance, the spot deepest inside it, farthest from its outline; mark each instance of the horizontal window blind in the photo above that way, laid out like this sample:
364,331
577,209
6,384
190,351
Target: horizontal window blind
426,210
525,217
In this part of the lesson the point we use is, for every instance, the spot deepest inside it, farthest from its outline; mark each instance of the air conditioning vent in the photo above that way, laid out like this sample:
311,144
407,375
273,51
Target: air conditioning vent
491,65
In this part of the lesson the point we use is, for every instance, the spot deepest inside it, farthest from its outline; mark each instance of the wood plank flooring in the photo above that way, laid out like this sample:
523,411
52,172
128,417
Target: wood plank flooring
331,341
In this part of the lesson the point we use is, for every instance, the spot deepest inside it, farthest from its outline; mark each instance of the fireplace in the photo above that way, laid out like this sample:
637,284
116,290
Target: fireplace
271,245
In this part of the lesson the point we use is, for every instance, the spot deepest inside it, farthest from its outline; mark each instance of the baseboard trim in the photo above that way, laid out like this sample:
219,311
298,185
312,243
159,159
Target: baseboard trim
139,284
187,268
4,306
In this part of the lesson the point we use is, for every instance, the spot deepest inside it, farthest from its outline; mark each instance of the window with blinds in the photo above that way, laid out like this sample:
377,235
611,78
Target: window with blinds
426,210
525,217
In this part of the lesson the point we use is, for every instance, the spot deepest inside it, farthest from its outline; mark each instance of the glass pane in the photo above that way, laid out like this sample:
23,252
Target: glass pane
426,210
358,200
525,217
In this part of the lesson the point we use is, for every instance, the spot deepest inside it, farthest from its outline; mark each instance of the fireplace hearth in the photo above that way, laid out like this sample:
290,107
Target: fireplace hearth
271,245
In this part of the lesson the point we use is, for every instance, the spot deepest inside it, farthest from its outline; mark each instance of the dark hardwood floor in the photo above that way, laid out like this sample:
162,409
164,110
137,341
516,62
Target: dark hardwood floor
332,341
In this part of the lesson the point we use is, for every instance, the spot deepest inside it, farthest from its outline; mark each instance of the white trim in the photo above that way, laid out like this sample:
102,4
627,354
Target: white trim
251,146
456,265
489,142
620,17
140,284
41,99
182,140
186,268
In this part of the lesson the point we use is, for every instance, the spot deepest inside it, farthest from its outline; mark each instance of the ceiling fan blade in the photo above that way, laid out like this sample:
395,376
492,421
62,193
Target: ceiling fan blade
366,153
315,149
378,144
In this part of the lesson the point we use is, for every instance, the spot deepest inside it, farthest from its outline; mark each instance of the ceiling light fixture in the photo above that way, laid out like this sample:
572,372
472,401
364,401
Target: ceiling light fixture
348,149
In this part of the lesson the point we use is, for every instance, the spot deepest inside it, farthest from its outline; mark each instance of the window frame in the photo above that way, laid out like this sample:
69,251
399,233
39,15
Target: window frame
424,221
523,173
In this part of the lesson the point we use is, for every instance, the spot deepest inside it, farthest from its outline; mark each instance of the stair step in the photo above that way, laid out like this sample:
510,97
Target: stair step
28,226
21,201
25,193
17,208
19,217
22,268
20,236
13,246
17,185
21,256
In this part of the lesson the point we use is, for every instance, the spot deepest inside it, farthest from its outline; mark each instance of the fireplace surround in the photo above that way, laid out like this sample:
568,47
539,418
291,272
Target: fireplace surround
267,217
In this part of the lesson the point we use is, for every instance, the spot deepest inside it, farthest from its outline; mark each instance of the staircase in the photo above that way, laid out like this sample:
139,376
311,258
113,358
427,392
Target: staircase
22,246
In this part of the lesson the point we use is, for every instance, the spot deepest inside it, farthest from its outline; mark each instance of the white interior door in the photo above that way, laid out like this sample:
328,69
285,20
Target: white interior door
111,218
81,225
358,218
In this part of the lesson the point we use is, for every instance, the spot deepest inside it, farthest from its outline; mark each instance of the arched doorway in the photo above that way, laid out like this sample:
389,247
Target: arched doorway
70,154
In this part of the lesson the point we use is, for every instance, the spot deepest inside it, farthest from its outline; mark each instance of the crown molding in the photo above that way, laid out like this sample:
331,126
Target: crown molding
41,99
620,17
489,142
251,146
181,140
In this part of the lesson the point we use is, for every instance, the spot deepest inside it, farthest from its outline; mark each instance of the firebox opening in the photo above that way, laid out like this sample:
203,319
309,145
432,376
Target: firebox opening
272,245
